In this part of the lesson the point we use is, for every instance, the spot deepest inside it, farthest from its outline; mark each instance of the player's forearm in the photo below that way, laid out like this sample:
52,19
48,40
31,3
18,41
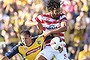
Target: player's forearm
58,30
30,23
45,34
40,28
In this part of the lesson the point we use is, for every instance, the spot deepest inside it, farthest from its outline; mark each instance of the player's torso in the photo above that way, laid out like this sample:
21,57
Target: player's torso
31,52
49,23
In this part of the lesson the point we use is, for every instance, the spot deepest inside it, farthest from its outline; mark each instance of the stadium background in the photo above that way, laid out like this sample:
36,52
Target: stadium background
14,13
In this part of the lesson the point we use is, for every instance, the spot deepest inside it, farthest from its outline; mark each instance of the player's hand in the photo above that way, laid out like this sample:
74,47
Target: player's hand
4,58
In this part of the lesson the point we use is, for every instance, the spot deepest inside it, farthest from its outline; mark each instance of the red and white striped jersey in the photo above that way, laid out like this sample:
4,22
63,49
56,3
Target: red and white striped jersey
49,23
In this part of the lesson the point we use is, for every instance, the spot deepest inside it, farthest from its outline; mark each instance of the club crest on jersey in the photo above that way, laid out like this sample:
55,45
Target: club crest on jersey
39,42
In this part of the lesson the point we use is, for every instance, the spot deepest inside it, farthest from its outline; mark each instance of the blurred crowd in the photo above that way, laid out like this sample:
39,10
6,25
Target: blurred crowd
14,13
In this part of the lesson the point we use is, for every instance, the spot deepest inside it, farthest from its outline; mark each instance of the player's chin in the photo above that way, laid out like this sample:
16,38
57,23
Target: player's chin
57,16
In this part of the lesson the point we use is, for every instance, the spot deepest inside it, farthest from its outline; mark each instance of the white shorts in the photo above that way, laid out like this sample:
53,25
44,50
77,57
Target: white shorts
49,53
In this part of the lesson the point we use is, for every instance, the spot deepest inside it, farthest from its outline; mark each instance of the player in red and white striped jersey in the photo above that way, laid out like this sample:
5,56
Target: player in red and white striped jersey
50,23
55,22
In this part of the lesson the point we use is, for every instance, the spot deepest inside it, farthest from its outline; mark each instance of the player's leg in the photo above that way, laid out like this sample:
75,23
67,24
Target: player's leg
61,55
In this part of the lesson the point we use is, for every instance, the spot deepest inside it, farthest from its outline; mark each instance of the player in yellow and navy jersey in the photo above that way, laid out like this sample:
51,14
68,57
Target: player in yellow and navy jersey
29,47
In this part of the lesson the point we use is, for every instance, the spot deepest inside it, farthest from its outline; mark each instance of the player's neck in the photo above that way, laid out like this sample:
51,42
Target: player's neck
55,17
29,44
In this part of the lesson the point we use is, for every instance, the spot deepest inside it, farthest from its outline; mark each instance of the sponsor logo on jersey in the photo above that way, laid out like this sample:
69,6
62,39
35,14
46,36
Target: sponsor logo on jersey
33,50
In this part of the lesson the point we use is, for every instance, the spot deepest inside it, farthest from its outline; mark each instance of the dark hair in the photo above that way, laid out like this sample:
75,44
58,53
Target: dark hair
51,4
25,32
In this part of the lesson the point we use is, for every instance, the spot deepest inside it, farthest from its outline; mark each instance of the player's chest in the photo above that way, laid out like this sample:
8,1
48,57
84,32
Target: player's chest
35,48
49,23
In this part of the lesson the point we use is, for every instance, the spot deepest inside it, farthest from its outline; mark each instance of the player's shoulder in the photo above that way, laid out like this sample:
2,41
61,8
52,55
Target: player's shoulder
63,16
34,38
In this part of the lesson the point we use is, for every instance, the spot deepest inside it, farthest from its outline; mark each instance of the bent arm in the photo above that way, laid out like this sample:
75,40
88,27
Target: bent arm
63,28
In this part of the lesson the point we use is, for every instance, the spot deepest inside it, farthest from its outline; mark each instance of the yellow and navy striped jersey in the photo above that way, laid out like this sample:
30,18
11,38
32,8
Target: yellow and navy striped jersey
29,53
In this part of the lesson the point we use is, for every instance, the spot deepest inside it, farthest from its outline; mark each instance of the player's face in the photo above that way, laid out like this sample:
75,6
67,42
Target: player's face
26,39
55,13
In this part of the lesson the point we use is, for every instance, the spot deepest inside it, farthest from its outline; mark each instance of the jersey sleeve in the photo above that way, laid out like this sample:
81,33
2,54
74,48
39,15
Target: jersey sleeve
80,55
12,52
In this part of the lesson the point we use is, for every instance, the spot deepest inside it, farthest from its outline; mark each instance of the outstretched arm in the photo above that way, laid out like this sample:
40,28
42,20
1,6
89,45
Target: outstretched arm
30,23
39,25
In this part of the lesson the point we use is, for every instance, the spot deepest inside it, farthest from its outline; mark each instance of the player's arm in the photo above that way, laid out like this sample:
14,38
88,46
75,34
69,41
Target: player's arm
30,23
11,53
63,28
4,58
38,24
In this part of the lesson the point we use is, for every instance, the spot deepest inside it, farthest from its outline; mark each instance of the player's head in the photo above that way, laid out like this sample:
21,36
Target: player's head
53,6
26,37
25,32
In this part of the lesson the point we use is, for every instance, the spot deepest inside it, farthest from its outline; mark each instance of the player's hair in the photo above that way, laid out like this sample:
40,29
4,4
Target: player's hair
25,32
51,4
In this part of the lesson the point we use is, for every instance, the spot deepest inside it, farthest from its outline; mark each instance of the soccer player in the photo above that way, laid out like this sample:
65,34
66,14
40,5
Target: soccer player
54,21
29,46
